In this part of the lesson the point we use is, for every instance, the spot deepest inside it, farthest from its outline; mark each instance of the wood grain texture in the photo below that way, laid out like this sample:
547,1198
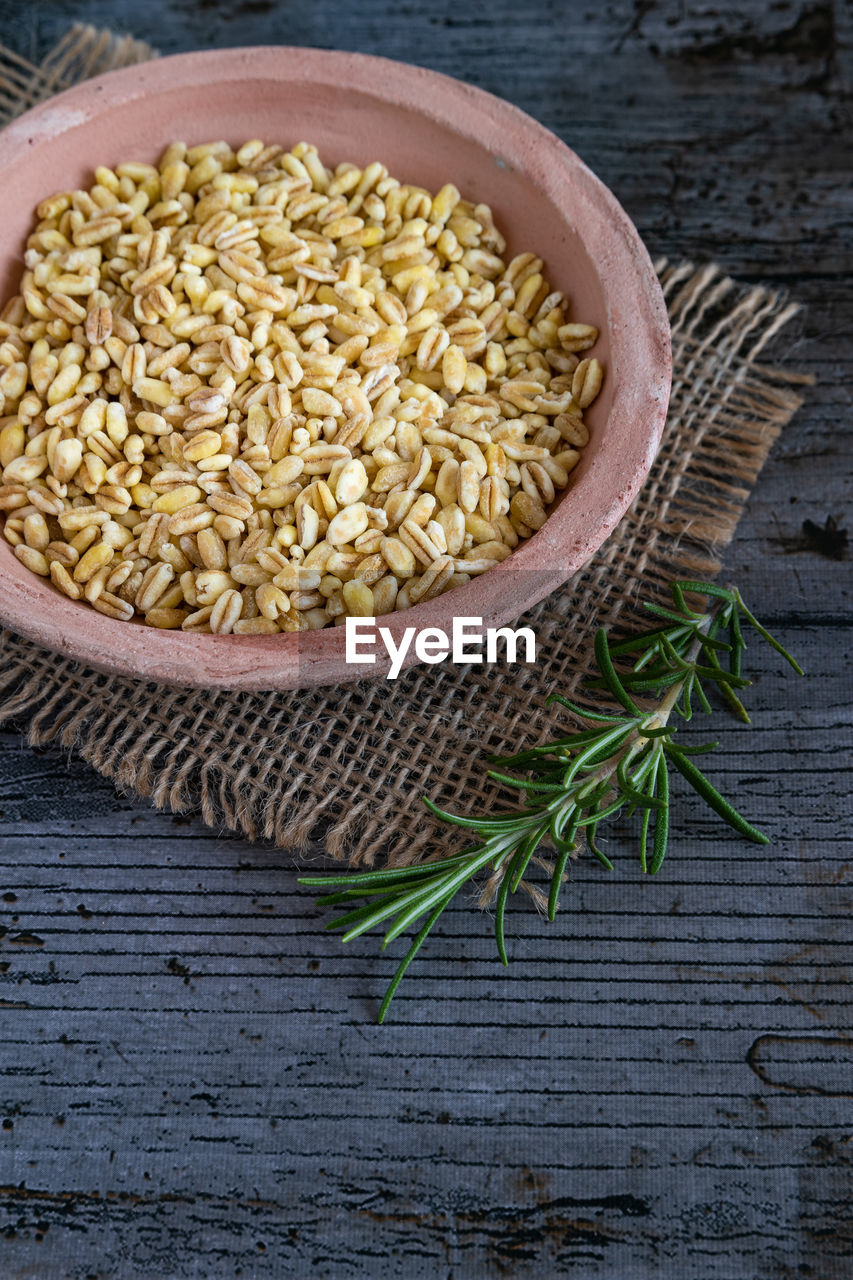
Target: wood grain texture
661,1084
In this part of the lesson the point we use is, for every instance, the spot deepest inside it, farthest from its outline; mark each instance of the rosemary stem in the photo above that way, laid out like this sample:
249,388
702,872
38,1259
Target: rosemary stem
668,703
658,719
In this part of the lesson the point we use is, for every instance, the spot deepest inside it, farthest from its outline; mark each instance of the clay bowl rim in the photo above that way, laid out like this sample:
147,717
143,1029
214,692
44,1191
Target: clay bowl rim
640,340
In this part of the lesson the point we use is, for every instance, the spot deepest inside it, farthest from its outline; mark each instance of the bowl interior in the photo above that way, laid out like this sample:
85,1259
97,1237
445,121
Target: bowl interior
346,124
427,130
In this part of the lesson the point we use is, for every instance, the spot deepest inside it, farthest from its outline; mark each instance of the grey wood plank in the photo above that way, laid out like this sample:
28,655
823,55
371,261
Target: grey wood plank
658,1040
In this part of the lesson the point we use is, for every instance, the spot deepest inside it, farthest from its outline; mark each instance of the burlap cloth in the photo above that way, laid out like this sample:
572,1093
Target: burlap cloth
350,764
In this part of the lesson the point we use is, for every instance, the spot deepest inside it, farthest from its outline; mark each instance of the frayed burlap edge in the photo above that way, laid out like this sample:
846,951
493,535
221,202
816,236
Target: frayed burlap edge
354,761
82,52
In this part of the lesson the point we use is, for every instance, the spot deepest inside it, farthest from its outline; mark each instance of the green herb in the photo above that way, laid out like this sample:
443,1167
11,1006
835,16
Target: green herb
617,760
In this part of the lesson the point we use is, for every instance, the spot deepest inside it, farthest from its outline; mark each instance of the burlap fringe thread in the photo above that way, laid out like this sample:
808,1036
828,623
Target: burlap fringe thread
353,762
82,52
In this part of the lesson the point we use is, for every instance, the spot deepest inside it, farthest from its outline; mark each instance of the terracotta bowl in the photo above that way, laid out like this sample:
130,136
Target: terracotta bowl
428,129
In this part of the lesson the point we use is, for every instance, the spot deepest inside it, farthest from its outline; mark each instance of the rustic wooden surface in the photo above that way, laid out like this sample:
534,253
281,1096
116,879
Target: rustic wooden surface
660,1086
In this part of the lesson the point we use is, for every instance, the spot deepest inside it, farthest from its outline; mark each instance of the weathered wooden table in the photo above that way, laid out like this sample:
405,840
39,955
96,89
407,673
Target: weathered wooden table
661,1084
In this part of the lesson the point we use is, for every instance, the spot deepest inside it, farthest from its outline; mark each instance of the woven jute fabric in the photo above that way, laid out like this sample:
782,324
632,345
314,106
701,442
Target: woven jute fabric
82,53
351,763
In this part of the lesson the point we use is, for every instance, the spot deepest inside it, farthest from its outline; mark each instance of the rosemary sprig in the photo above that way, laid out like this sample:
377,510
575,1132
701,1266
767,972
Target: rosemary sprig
617,760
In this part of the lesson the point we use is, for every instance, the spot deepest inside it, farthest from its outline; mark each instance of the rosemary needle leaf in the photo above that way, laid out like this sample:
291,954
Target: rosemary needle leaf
702,696
353,895
602,857
500,906
522,858
367,890
508,885
710,794
578,710
685,707
415,905
556,881
661,818
352,918
646,684
482,826
644,830
645,644
734,702
416,900
719,675
709,642
765,634
608,673
388,875
660,612
533,754
593,818
609,740
527,784
738,644
681,585
407,960
638,799
376,914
